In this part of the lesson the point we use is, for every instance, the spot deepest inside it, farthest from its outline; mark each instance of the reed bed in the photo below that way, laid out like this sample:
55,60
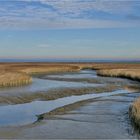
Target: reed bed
102,66
19,74
11,79
97,66
134,112
50,69
133,74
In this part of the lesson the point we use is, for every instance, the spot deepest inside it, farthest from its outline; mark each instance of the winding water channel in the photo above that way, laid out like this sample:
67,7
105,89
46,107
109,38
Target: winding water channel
106,116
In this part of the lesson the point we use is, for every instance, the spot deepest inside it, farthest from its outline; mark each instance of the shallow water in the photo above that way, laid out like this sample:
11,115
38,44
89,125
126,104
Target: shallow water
89,74
44,85
104,118
26,113
83,74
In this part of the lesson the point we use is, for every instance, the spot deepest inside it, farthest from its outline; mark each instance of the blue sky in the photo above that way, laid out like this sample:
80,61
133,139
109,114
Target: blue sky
98,29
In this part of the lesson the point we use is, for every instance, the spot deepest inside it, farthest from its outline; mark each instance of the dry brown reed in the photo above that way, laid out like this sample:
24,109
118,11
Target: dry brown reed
11,79
17,74
50,69
134,112
125,73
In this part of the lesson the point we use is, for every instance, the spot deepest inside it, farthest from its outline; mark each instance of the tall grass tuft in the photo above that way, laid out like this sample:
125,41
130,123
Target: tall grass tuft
133,74
11,79
134,112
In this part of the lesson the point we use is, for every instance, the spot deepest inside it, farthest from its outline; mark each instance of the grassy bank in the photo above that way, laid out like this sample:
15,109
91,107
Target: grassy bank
51,70
134,112
133,74
11,79
17,74
102,66
36,68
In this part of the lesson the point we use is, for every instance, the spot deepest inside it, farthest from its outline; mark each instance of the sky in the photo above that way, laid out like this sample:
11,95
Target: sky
70,29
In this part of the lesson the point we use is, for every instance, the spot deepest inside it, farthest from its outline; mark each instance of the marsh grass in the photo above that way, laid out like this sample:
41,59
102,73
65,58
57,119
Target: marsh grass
102,66
16,74
50,70
134,113
20,74
133,74
46,69
11,79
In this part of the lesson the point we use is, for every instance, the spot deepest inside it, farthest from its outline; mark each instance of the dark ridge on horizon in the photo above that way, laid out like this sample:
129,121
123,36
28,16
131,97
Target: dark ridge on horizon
71,60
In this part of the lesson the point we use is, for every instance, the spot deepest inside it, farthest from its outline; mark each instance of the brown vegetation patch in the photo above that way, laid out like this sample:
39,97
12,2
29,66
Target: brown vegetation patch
134,88
134,112
15,74
50,69
10,79
100,66
133,74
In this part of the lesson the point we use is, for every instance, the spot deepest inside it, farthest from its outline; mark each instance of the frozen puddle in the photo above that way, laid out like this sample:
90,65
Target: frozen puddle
23,114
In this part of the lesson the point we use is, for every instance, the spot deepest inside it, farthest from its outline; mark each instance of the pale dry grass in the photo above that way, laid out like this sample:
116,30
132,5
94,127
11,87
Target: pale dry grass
38,66
50,69
100,66
10,79
134,112
125,73
16,74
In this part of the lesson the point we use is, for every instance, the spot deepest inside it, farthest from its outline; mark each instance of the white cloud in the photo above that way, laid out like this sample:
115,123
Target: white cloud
64,14
112,6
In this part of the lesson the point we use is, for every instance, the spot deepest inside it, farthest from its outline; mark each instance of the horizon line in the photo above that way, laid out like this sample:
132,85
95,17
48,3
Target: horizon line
2,60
